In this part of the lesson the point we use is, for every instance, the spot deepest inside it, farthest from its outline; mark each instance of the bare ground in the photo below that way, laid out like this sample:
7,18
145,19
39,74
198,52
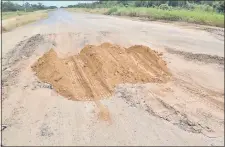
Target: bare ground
198,57
188,110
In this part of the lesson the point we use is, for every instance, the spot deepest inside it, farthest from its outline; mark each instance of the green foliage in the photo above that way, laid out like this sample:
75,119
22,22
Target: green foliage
201,12
9,6
204,7
200,17
111,10
190,6
219,6
208,6
164,7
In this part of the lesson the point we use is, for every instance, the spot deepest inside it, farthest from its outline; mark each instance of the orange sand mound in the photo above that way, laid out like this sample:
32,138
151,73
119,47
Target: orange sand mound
96,70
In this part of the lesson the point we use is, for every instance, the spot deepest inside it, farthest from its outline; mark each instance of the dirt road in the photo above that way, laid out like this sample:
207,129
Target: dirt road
188,110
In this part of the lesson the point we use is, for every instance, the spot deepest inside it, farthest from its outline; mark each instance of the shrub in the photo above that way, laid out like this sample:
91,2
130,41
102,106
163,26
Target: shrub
219,6
208,8
111,10
204,8
164,7
189,6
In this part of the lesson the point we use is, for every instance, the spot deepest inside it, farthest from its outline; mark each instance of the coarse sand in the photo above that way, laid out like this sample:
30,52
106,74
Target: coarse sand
96,70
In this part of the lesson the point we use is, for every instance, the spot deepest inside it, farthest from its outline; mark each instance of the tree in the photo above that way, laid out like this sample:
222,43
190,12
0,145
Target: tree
27,6
70,6
52,7
219,6
9,6
173,3
41,6
138,3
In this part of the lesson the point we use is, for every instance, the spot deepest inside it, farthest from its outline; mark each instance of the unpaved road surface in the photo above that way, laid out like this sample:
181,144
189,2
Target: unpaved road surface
187,110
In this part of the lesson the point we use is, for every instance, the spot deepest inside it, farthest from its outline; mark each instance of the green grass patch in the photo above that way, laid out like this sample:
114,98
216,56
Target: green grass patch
192,16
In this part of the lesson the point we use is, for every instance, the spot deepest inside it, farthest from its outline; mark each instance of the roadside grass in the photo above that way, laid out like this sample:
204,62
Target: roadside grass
12,19
89,10
175,14
192,16
6,15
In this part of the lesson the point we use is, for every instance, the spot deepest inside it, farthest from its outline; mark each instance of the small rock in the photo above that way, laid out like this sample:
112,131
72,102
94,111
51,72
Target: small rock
160,54
24,57
5,84
196,128
3,127
8,69
190,123
25,86
51,87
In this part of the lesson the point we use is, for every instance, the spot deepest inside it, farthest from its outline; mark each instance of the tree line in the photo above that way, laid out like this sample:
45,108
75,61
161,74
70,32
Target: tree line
9,6
217,6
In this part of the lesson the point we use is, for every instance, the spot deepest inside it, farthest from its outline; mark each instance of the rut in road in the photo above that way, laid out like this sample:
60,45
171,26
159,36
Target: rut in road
94,73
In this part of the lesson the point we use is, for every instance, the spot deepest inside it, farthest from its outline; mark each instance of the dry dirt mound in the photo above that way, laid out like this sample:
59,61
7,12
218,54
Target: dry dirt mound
96,70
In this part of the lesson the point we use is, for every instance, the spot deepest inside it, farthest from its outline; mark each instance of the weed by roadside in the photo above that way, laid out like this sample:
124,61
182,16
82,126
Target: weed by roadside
192,16
169,14
6,15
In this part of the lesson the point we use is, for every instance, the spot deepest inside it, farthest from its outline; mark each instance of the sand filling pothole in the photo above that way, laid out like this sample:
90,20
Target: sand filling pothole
96,70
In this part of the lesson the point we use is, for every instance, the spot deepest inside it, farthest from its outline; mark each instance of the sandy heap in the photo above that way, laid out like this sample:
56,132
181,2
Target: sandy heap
96,70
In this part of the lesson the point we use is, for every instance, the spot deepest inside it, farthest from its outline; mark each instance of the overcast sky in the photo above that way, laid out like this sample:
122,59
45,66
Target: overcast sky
53,3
